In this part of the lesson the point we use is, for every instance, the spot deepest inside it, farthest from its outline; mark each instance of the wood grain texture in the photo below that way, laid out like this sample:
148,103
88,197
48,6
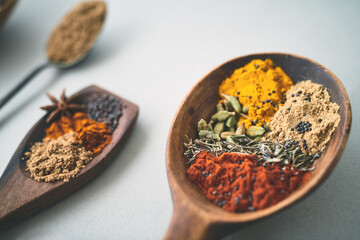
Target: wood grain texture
20,195
194,216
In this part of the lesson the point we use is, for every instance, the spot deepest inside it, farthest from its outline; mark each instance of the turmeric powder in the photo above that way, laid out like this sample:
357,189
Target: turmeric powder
260,86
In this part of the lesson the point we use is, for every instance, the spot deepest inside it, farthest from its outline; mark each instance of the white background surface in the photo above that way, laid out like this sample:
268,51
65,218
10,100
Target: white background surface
152,53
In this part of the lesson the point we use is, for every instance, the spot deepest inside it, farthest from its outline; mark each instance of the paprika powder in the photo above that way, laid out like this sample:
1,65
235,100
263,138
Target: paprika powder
239,183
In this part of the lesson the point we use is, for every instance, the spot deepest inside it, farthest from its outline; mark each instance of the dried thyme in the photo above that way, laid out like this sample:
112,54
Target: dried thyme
268,152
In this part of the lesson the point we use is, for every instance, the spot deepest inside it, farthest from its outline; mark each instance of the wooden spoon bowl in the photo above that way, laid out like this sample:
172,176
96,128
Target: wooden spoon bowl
21,195
194,216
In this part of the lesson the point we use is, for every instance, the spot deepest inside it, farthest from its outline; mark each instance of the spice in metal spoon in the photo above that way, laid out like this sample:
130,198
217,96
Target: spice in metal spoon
76,33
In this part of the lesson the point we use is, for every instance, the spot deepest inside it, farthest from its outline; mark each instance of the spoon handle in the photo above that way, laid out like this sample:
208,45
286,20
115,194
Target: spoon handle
22,84
189,223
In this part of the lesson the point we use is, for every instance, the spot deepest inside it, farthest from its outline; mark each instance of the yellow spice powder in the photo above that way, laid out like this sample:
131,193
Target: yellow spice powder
259,85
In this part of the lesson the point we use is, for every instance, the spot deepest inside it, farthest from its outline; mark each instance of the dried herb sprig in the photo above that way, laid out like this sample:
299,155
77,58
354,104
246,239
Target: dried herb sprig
268,152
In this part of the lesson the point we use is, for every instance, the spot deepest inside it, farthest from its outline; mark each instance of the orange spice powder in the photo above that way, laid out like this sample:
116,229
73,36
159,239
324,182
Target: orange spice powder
93,135
238,183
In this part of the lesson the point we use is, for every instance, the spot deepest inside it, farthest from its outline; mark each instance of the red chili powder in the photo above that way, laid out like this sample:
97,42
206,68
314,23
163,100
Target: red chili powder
238,183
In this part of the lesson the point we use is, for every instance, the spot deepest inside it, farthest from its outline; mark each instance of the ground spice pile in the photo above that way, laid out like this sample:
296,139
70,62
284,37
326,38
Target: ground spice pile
57,159
260,87
308,118
237,183
93,135
71,141
76,33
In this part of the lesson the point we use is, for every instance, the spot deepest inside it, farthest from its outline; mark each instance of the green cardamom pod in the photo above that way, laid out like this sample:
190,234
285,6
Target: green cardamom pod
227,106
245,109
241,129
205,134
234,103
210,126
266,127
219,127
224,135
221,116
219,107
202,125
254,131
237,139
215,136
230,121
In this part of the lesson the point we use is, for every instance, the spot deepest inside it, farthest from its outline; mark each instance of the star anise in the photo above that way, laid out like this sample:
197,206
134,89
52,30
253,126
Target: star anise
60,107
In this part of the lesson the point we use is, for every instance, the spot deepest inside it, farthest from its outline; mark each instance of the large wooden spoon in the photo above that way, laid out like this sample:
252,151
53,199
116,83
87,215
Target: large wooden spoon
194,216
21,196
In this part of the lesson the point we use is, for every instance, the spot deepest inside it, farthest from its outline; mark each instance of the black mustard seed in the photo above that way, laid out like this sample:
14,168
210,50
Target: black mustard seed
104,108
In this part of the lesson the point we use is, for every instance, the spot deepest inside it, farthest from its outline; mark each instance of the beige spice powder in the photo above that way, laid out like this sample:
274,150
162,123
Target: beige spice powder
76,33
320,112
60,159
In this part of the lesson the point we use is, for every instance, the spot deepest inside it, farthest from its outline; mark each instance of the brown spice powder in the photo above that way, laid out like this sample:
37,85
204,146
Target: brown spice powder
306,102
76,33
60,159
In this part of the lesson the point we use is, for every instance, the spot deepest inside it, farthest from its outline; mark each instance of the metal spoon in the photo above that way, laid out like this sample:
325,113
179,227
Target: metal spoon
32,74
49,63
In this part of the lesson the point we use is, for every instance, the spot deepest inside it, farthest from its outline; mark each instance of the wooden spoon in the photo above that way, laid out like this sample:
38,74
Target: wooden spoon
21,196
194,216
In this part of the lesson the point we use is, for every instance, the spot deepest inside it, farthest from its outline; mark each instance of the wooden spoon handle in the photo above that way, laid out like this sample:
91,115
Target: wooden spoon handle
15,195
185,224
189,223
